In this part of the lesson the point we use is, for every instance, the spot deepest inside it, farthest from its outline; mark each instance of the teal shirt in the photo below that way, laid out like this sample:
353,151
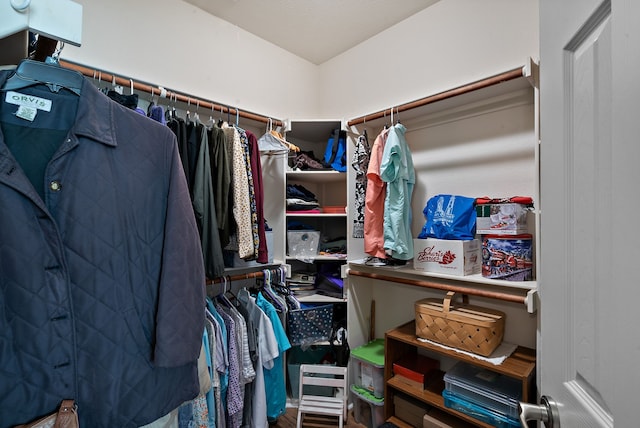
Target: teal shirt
398,172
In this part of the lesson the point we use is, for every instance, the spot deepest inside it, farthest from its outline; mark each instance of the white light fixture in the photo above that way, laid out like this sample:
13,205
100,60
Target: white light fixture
55,19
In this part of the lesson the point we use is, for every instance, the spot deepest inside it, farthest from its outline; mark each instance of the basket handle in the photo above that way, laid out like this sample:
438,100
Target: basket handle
446,305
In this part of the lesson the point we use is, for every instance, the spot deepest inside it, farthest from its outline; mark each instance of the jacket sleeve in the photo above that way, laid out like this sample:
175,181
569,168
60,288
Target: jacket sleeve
181,300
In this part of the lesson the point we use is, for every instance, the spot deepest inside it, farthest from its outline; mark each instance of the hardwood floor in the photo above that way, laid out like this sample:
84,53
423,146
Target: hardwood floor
289,421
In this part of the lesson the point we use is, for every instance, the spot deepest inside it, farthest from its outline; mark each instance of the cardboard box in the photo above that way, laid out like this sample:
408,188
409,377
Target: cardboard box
508,258
414,370
502,219
439,419
409,410
452,257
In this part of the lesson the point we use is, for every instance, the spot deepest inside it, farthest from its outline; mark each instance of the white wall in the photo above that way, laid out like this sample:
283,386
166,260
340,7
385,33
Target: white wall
448,44
177,45
451,43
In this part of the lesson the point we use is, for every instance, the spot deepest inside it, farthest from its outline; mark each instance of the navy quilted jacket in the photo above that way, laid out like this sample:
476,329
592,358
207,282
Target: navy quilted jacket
101,279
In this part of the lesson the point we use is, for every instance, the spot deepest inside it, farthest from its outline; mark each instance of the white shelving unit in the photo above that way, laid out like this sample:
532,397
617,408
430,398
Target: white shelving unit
479,139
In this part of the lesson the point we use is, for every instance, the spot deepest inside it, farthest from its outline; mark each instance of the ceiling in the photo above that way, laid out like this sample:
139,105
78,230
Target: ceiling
316,30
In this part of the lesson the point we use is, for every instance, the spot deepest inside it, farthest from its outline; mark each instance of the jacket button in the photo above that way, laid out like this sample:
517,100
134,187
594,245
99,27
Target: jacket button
55,186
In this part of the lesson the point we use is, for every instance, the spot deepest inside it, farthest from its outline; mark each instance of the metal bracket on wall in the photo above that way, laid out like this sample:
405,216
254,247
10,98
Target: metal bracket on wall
531,301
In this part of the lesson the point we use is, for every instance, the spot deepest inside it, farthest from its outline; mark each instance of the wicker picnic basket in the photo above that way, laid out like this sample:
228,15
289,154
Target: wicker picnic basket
463,326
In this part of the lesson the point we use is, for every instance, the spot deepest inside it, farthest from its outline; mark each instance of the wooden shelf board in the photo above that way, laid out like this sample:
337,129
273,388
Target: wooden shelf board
432,396
399,422
520,364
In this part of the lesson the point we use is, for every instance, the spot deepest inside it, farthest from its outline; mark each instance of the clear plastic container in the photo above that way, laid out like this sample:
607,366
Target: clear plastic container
367,410
369,367
494,391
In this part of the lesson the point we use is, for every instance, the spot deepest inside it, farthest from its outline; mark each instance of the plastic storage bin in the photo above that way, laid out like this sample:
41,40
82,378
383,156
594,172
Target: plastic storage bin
369,367
483,414
494,391
367,410
303,243
313,355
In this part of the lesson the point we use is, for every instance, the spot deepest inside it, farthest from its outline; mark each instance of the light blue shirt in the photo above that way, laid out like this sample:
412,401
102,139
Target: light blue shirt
398,172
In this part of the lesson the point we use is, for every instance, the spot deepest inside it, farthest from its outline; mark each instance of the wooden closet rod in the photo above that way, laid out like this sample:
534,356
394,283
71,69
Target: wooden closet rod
445,287
171,95
231,278
490,81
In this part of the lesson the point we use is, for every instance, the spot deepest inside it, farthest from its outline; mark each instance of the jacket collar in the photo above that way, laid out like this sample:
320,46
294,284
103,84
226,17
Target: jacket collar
94,117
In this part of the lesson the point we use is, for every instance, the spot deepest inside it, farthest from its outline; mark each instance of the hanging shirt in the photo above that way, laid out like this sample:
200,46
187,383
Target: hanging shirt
397,171
221,362
267,353
221,182
252,340
256,168
102,278
179,128
193,136
252,195
235,391
204,208
360,163
274,376
375,199
241,202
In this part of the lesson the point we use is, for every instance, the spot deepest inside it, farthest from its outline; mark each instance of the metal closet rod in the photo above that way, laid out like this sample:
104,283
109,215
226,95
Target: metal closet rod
171,95
241,277
439,286
460,90
231,278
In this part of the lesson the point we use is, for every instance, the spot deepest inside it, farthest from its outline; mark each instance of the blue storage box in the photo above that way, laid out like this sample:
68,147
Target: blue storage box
483,414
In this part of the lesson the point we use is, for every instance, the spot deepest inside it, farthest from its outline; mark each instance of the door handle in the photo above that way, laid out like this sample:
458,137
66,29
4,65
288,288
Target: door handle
546,412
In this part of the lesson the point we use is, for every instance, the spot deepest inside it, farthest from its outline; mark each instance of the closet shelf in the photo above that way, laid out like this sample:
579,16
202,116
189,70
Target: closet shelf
409,272
319,298
320,214
324,176
402,341
520,365
320,257
523,292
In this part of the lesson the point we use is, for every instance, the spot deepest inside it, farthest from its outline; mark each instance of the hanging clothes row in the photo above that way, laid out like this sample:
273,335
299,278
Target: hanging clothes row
224,174
243,344
390,182
221,163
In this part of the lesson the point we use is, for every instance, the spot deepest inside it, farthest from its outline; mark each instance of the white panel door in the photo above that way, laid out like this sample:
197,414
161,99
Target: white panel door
589,332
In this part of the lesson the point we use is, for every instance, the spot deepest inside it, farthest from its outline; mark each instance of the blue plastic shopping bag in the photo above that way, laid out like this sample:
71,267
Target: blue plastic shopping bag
449,217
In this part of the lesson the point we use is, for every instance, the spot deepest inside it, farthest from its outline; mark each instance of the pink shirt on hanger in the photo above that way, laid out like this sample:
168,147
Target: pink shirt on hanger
374,201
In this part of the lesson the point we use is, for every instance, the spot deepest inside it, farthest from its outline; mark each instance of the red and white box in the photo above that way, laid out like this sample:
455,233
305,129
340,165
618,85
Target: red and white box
448,256
416,370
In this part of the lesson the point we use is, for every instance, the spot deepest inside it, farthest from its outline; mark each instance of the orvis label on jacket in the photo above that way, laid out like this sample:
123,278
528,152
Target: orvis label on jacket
28,101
